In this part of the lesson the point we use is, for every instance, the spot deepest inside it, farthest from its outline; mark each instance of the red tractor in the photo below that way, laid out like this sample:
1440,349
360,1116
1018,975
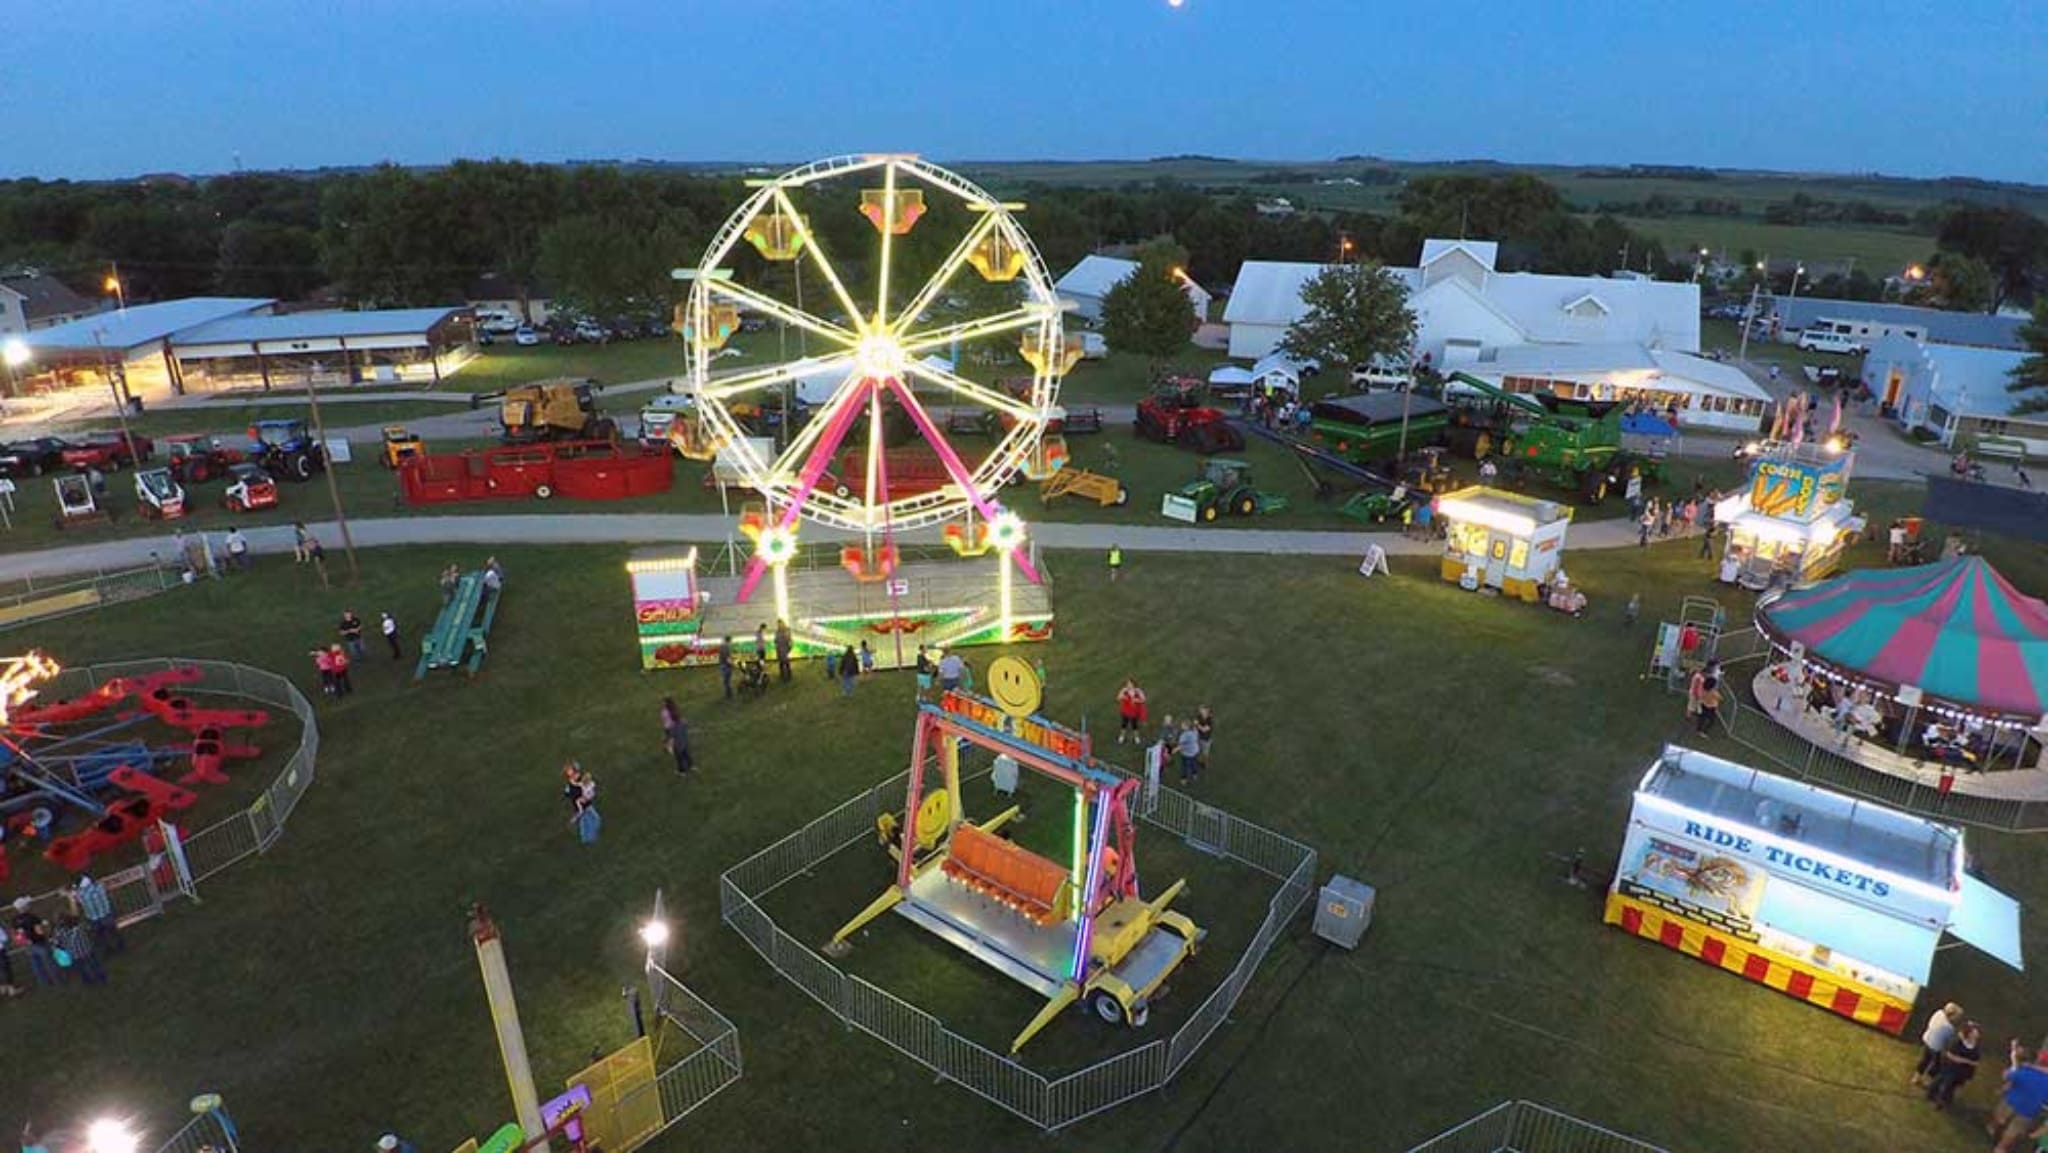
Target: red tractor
1175,414
196,458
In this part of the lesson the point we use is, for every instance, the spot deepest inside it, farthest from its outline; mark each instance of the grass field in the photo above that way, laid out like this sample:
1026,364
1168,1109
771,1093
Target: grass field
1880,252
1436,744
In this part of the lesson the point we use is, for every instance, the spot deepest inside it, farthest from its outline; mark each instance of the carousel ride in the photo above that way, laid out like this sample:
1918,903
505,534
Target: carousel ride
868,459
83,777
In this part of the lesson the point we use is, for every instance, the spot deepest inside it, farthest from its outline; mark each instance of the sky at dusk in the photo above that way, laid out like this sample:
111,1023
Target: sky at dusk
91,89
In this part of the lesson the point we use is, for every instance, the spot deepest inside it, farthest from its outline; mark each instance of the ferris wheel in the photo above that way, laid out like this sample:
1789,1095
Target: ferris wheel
886,335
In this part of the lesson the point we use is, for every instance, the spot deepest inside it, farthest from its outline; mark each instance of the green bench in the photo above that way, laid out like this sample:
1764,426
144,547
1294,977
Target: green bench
458,635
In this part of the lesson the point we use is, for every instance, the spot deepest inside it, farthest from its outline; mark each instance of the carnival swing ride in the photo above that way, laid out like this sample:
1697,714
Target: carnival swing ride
89,758
872,463
1076,931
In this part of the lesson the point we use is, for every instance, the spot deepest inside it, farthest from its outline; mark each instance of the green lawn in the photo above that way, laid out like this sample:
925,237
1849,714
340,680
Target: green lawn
328,991
231,422
621,362
1878,251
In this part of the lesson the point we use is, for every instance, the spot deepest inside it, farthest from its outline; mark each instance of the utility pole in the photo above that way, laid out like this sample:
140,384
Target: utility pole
120,404
1749,319
348,543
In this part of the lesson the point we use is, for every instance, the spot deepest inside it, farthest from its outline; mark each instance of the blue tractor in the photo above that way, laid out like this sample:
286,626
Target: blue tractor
285,448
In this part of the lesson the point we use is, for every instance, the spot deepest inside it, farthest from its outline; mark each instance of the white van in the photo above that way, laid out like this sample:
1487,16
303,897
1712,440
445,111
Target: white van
1816,340
1093,347
497,321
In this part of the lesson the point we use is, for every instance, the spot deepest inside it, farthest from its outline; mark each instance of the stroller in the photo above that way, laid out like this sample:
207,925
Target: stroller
754,676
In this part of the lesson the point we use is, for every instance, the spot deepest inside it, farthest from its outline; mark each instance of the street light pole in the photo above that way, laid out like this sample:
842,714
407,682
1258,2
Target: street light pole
348,543
120,405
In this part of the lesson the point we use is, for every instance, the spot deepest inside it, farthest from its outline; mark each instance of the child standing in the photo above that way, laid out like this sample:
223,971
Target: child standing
76,942
867,658
1130,711
338,661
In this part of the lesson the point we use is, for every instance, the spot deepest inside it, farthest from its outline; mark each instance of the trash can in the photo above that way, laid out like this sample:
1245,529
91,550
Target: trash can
1344,911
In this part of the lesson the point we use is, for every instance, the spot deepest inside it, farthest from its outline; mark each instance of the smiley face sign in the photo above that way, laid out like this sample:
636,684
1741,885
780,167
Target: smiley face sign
1014,686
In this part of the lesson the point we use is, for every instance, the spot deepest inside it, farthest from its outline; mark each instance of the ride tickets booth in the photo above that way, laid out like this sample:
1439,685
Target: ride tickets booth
1503,540
1793,520
1835,901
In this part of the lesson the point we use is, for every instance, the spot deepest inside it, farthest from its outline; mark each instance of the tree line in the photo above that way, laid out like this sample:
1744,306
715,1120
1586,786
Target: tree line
606,237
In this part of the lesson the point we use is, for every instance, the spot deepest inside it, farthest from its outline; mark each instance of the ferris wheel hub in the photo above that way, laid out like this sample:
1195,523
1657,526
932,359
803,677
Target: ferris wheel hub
880,357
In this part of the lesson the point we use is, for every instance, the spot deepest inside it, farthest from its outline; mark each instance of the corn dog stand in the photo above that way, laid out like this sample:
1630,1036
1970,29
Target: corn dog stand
1793,520
1503,540
1835,901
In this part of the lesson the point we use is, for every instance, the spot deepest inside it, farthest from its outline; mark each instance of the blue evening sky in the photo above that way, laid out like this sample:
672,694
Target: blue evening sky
95,89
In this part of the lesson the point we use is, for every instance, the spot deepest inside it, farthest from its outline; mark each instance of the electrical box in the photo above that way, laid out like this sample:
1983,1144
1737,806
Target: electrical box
1344,911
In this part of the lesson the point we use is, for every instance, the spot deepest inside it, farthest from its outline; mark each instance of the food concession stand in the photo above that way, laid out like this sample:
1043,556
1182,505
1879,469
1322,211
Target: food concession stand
1833,900
1503,540
1793,520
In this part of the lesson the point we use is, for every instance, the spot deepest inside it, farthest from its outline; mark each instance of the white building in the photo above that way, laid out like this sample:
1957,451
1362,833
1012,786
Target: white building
492,293
1088,282
1463,307
1951,390
30,300
1705,393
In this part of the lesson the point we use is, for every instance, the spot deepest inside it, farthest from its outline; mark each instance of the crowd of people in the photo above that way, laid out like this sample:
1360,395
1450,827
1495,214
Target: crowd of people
1183,745
77,943
1952,1054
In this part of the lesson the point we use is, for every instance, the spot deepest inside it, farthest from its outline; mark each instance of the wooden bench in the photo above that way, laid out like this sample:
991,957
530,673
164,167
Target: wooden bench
1009,873
462,628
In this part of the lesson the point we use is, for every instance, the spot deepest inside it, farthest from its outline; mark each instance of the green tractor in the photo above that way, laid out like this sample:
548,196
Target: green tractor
1572,445
1225,487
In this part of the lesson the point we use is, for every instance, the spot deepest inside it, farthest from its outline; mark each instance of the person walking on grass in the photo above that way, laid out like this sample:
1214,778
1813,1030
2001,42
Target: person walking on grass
34,933
1644,523
725,666
238,550
89,898
783,644
583,801
1130,712
351,630
1205,728
73,940
1116,562
389,628
338,661
2025,1095
302,543
867,658
1710,703
927,671
1956,1065
1190,748
1934,1040
676,735
325,665
849,671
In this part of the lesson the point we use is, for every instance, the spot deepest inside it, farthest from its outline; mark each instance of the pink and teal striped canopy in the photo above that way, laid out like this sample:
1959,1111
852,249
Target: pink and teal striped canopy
1956,629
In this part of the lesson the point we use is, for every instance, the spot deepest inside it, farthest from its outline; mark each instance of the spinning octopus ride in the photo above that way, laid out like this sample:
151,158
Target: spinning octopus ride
882,374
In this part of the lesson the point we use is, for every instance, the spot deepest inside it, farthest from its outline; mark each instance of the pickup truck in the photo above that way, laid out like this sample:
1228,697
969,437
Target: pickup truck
109,453
32,457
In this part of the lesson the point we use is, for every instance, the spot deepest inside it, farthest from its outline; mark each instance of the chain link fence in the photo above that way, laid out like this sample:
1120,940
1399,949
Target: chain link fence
1051,1103
29,601
1525,1127
711,1058
1745,653
207,1132
140,892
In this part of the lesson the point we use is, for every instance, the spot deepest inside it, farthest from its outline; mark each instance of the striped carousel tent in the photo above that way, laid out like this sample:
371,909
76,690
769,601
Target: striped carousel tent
1955,629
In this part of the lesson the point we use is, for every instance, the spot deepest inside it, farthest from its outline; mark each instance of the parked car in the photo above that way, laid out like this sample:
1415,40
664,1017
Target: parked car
497,322
32,457
109,453
562,333
525,337
592,332
1816,340
249,487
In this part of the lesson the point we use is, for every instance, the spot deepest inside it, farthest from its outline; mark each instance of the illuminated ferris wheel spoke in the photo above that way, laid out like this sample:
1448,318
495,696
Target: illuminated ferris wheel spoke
817,256
980,393
966,330
847,396
881,321
915,310
741,383
762,302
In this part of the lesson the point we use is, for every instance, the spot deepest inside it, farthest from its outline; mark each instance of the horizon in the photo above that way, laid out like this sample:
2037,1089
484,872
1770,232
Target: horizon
553,82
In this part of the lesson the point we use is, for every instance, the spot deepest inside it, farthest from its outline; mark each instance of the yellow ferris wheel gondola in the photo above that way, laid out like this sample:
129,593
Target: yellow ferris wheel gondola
777,235
1059,362
720,322
996,257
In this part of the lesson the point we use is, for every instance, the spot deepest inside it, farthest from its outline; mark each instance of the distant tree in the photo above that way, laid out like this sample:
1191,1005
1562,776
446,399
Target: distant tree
258,258
2013,243
2030,376
1147,312
1958,283
1354,314
602,266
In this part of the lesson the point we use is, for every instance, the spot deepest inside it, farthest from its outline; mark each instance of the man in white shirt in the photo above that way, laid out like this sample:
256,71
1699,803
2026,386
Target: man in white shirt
1941,1029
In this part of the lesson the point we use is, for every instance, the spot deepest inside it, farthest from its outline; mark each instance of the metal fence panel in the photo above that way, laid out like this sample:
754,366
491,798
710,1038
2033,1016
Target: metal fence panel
1526,1127
997,1077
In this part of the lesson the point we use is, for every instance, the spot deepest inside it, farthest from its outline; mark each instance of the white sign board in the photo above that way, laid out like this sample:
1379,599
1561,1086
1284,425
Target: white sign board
1177,507
1375,561
338,451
